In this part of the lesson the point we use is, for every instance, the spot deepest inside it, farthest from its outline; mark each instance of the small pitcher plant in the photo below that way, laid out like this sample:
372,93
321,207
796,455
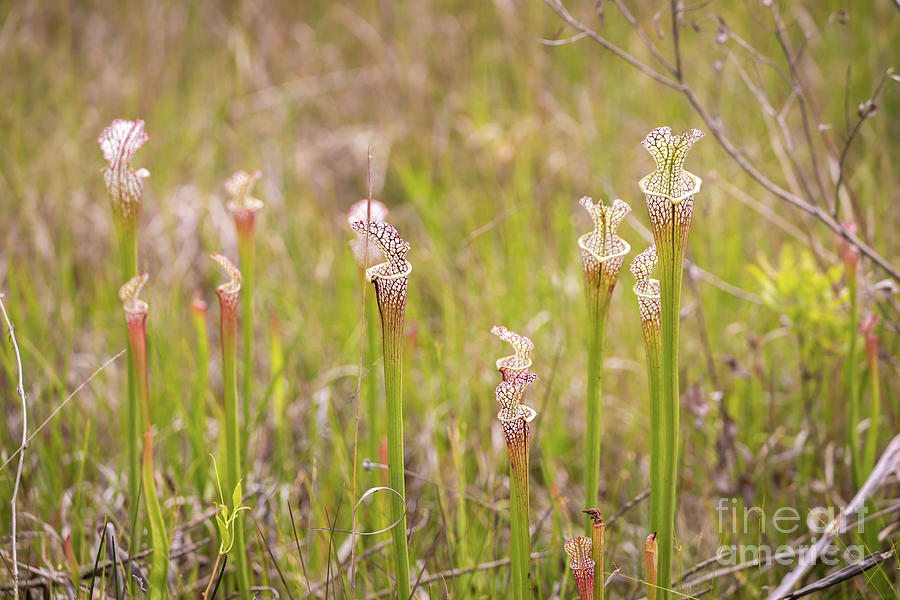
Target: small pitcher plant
125,188
649,305
229,293
602,253
390,279
243,208
669,192
651,566
515,418
136,319
579,550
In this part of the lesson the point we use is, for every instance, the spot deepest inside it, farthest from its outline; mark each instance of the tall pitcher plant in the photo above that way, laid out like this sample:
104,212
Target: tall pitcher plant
602,253
390,279
669,192
125,188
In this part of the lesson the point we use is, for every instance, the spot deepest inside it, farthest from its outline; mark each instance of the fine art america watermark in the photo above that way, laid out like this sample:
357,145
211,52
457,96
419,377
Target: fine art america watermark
740,521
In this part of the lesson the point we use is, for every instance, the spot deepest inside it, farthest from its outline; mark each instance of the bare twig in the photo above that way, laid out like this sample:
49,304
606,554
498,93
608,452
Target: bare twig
629,505
866,110
20,390
574,23
676,15
643,35
716,128
563,41
889,461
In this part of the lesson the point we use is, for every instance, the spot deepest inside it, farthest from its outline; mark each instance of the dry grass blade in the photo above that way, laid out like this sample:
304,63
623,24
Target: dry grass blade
265,543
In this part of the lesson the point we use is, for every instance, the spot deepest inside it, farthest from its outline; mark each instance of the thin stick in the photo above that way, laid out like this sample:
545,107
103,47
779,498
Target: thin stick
20,390
359,373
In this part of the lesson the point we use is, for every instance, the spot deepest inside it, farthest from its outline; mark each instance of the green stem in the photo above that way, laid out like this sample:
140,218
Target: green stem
871,445
233,437
598,305
372,382
158,538
276,361
520,538
652,343
671,261
197,410
868,461
392,337
854,409
247,256
126,230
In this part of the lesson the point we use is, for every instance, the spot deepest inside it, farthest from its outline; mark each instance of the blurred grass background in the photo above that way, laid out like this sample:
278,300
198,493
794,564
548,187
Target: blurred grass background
483,140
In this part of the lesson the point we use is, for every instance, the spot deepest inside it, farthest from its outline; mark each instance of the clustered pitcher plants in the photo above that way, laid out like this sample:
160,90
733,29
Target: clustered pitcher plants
669,193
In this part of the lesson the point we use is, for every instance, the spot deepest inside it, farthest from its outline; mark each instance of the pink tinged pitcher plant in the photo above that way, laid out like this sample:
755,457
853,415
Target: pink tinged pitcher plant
669,192
602,253
578,550
229,297
367,254
136,320
390,280
514,419
243,208
125,188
